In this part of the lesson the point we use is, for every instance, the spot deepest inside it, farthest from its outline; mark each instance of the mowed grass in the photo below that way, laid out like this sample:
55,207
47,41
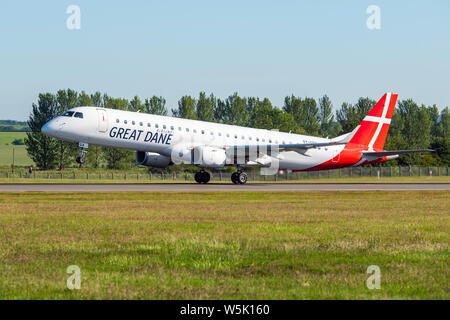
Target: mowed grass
9,137
21,157
225,245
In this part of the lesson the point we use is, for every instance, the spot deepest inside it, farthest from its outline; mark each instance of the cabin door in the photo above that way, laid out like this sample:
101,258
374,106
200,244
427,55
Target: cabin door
102,120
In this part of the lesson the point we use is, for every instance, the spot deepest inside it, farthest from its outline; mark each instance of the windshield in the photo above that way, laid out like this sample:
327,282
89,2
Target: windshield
68,114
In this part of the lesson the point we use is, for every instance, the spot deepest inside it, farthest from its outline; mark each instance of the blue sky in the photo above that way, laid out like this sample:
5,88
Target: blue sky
257,48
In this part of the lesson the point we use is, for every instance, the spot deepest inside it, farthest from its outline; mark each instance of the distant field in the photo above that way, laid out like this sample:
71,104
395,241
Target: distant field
6,150
225,245
9,137
20,155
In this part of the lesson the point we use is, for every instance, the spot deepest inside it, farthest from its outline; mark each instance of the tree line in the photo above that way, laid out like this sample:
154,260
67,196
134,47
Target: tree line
413,126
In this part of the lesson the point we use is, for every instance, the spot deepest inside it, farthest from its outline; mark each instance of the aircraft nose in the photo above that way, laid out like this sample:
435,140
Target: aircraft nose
45,129
49,128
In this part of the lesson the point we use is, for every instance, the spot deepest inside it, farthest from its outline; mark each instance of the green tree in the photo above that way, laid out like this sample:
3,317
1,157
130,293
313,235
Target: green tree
305,113
444,124
136,105
220,111
186,108
84,99
205,107
265,116
236,110
349,116
41,148
442,147
156,105
261,114
326,116
416,129
285,122
97,99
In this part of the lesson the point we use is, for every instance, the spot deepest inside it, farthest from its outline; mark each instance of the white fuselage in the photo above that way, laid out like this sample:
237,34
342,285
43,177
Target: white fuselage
164,135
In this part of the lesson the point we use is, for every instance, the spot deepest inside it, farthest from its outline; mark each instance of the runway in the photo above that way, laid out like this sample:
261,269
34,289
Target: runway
193,187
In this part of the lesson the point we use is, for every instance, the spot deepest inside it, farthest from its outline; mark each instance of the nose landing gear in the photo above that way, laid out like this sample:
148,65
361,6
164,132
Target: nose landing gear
202,176
82,147
239,177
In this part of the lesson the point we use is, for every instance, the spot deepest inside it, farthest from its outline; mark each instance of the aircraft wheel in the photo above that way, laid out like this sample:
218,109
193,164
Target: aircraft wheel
81,160
202,177
206,177
234,177
242,178
197,177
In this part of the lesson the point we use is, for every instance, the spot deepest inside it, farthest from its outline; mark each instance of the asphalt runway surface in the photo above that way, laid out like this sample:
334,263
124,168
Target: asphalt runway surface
194,187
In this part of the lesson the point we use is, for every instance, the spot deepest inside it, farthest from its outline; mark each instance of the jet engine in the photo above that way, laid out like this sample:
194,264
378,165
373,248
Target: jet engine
208,157
151,159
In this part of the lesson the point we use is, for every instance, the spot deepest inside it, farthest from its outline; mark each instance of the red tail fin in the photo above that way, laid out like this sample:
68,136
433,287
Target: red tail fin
373,129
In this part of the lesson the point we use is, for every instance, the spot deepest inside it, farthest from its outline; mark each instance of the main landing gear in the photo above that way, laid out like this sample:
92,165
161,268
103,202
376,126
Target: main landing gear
239,177
202,176
82,158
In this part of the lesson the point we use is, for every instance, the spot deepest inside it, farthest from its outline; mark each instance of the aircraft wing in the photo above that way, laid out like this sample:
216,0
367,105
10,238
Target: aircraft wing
394,152
298,147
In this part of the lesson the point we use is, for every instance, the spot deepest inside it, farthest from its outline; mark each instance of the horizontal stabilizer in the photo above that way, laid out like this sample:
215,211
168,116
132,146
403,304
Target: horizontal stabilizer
395,152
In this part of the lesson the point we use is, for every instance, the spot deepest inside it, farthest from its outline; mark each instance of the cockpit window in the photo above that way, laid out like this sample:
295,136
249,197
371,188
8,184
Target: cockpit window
78,115
68,114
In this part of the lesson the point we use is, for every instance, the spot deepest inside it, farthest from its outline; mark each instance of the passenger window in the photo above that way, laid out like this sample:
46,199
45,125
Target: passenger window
250,138
148,124
117,120
156,126
270,140
228,135
243,137
220,134
78,115
187,129
133,123
68,114
164,126
263,140
212,133
203,131
195,130
257,139
141,124
125,121
171,127
235,136
179,128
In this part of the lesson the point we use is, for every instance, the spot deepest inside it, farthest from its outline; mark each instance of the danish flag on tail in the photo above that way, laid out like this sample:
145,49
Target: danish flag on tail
373,129
365,143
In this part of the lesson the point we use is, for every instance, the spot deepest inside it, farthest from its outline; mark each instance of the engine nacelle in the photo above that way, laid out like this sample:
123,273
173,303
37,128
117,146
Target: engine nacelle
208,157
151,159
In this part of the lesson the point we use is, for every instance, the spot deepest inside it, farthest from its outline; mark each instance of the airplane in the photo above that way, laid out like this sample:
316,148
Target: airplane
161,141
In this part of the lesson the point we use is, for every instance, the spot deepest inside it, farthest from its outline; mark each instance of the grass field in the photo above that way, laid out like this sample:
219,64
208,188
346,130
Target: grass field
9,137
21,157
225,245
